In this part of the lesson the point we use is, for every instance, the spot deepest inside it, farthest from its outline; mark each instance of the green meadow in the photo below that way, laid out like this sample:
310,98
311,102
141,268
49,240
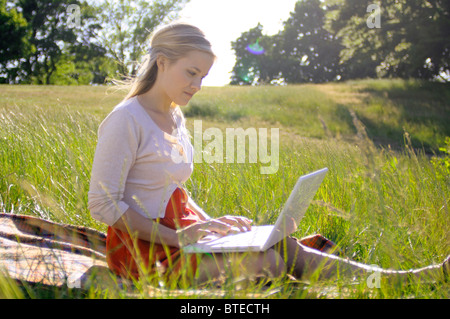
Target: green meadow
384,201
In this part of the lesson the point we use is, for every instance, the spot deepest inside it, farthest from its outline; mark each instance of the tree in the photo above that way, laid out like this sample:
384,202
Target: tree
127,25
310,52
412,39
247,69
49,32
13,39
46,38
304,51
90,60
44,46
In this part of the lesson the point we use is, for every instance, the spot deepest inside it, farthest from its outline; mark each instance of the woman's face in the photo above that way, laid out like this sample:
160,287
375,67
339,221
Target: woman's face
183,78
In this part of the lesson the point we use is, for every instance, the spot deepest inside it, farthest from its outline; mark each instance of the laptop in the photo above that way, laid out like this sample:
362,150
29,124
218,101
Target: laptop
261,238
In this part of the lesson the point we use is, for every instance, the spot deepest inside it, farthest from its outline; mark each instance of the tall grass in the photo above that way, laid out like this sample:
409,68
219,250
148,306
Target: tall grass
383,202
46,157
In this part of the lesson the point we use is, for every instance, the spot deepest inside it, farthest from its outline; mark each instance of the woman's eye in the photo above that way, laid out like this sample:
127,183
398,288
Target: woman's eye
191,73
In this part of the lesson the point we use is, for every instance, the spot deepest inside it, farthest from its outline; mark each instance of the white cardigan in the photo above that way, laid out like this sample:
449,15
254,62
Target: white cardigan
136,164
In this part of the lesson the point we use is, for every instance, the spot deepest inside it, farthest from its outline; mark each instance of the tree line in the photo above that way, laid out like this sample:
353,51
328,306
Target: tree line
89,41
74,41
333,40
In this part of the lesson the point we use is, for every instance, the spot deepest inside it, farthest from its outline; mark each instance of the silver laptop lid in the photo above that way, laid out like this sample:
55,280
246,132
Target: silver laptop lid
296,206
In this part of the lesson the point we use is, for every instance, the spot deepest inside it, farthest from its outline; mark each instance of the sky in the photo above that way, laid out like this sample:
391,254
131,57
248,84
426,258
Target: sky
225,21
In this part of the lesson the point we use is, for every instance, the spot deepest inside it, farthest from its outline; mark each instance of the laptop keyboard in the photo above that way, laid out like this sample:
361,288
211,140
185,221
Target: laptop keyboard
254,235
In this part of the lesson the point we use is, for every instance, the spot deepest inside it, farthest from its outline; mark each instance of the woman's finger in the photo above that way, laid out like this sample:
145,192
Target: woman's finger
222,226
218,226
242,223
192,233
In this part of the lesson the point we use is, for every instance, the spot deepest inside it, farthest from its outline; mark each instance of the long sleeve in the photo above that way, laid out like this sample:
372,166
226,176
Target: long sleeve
114,156
134,166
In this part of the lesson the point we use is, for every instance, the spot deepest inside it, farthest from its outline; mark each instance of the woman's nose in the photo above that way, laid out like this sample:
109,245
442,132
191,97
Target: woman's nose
197,84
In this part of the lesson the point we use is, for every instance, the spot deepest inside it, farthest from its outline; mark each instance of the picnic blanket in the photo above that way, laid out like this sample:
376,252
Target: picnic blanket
35,250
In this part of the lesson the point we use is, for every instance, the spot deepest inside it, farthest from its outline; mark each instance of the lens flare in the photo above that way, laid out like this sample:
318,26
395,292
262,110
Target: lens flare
245,78
255,48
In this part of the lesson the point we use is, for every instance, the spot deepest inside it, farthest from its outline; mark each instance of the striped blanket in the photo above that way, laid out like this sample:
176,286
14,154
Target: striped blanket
35,250
40,251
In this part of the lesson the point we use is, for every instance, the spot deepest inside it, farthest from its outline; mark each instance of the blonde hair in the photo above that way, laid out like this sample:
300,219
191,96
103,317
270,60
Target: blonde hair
173,41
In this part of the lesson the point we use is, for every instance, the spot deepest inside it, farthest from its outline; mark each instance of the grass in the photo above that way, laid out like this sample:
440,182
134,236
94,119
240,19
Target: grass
384,201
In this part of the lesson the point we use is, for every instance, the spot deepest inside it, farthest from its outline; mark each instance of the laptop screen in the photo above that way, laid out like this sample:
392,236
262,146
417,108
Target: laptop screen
297,205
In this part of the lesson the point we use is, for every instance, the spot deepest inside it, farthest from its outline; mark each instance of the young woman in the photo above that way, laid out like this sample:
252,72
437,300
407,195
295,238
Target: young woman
144,156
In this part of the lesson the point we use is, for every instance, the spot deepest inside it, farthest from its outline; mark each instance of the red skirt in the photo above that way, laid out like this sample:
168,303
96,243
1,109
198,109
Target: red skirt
130,257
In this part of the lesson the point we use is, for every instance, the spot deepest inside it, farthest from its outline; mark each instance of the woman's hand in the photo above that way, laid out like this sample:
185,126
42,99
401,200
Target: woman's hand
223,226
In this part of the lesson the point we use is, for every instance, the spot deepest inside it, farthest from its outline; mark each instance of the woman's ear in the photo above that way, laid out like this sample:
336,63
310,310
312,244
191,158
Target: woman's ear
162,62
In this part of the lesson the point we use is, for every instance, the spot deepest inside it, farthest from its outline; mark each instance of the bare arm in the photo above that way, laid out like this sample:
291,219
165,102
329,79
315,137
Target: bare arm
194,207
147,229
